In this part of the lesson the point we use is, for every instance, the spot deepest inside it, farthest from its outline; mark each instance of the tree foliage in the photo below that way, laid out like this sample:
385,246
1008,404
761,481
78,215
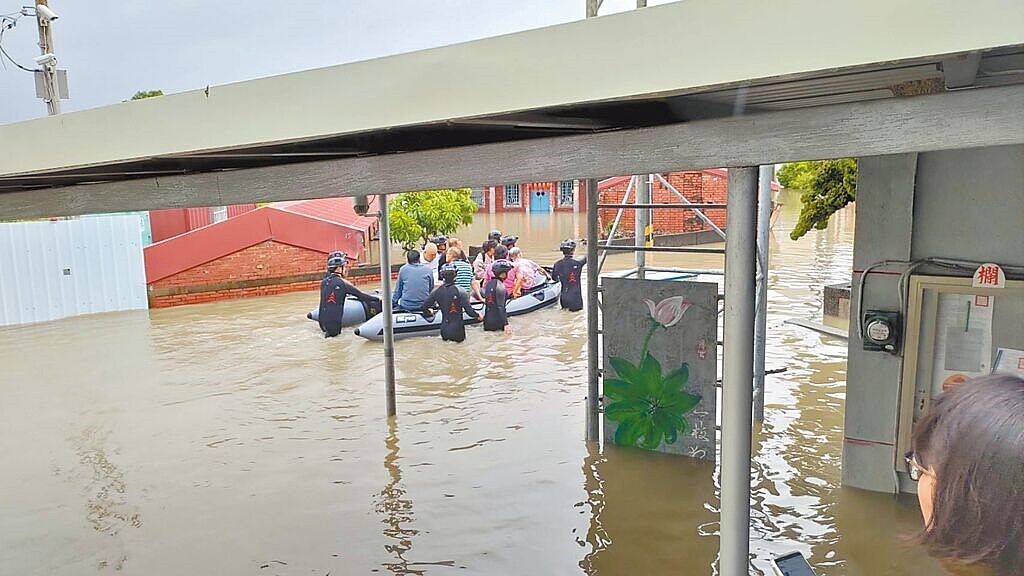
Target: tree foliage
147,94
416,216
828,186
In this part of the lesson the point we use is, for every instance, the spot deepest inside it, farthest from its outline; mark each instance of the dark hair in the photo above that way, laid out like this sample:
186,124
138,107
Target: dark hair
501,253
413,256
973,439
488,245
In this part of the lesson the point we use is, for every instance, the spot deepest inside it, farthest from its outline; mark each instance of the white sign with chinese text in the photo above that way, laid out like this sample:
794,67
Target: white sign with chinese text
989,276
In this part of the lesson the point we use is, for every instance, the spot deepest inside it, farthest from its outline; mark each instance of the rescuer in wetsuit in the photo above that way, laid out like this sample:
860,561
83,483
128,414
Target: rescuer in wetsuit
495,298
335,254
333,290
452,301
568,271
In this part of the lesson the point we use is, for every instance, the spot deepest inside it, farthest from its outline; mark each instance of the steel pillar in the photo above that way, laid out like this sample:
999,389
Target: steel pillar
764,216
738,367
640,221
593,349
385,297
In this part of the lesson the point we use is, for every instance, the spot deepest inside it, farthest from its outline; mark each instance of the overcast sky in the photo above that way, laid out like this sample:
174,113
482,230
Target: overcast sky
112,49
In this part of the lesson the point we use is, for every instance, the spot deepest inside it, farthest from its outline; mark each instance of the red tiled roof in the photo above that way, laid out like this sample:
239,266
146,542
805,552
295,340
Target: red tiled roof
337,210
280,224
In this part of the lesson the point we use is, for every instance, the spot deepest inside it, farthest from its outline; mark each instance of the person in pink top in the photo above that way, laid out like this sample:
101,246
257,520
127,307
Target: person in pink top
501,254
529,273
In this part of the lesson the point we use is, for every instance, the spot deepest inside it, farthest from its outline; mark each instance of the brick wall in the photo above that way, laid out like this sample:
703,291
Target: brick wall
261,270
697,186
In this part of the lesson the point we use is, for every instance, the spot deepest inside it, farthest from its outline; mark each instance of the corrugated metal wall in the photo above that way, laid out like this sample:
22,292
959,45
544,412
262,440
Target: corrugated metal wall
51,270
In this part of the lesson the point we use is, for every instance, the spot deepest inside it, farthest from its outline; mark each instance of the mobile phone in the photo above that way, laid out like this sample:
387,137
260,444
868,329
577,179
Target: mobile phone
792,564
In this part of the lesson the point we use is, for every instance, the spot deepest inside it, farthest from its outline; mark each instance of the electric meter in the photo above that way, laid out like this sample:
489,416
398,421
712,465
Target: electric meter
881,330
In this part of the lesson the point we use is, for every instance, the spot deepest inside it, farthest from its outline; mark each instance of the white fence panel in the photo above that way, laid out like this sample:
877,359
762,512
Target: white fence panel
51,270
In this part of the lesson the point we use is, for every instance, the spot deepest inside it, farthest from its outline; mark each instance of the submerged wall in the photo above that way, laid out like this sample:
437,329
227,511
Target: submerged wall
61,268
966,204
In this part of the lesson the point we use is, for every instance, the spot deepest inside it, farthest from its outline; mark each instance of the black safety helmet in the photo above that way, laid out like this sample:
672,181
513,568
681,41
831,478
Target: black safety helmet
501,266
337,260
509,241
440,240
448,273
567,246
494,235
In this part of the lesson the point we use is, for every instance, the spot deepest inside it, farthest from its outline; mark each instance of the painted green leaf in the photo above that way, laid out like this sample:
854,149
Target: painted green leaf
624,368
649,408
616,388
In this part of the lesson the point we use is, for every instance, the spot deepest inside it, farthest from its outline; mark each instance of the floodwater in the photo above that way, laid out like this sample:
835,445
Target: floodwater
230,438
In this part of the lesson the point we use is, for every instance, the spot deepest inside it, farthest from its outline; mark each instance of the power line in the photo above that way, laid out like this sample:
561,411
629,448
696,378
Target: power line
6,23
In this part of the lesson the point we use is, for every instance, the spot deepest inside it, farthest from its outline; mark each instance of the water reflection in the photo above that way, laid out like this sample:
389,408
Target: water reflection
395,509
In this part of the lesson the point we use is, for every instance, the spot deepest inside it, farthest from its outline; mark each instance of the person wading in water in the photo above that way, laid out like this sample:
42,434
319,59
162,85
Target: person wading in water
333,291
568,271
452,301
495,298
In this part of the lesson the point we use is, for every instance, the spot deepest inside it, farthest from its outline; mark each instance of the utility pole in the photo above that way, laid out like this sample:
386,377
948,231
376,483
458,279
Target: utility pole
51,88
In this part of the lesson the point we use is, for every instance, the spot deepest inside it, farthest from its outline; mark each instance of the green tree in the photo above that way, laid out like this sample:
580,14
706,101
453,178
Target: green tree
147,94
416,216
828,186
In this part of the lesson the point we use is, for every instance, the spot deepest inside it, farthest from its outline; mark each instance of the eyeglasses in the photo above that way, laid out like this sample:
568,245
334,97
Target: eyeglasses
914,469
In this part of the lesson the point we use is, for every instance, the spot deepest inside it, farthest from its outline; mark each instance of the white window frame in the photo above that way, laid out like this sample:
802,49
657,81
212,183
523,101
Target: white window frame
566,192
218,214
508,192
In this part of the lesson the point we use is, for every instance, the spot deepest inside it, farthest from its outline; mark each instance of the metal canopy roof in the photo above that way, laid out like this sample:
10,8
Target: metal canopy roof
662,65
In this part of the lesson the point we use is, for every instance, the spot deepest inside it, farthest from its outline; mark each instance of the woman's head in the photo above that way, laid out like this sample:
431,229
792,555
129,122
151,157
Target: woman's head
501,253
489,247
970,449
514,253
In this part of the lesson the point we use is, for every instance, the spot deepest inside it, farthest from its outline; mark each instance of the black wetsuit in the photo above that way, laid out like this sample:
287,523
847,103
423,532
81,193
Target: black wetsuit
333,291
568,271
495,297
452,301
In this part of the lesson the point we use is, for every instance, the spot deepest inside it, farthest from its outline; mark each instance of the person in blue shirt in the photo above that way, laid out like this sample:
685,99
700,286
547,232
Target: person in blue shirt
415,282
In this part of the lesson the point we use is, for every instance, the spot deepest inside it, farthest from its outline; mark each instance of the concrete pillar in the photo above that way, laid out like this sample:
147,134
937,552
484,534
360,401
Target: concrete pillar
738,367
490,199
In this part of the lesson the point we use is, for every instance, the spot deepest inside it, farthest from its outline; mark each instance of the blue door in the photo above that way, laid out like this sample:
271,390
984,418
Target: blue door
540,201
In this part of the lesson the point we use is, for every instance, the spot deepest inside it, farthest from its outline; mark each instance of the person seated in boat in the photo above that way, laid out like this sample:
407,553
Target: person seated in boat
442,252
568,271
509,241
501,255
496,297
452,301
529,274
484,259
464,274
333,291
454,242
415,281
429,257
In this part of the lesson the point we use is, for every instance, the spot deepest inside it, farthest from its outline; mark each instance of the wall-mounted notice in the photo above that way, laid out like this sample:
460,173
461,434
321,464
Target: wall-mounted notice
1009,361
660,343
963,339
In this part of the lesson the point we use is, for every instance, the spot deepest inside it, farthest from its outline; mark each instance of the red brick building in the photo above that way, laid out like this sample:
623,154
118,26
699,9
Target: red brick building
269,250
698,186
530,197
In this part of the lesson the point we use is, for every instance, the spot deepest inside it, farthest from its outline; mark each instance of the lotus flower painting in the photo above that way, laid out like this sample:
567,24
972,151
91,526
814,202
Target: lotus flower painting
648,398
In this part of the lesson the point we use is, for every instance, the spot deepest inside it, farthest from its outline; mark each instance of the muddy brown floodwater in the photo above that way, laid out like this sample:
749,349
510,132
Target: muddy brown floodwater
231,438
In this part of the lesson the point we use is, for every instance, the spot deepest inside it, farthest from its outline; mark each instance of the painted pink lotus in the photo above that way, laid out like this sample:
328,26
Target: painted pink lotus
669,311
